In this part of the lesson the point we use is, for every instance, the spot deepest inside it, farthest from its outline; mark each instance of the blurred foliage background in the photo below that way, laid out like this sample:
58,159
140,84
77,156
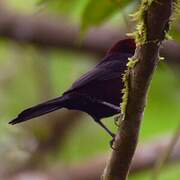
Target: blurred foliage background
34,69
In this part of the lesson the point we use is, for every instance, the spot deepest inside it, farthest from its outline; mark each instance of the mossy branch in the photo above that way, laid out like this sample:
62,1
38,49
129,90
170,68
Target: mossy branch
153,24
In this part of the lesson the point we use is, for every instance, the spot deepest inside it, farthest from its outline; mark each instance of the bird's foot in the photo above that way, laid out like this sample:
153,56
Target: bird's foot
118,119
111,143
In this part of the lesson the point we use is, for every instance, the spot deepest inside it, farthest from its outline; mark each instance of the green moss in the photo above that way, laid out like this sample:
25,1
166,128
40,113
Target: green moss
131,63
125,92
140,34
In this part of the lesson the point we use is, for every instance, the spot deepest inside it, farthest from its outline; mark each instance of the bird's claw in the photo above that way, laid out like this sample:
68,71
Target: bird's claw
111,143
118,119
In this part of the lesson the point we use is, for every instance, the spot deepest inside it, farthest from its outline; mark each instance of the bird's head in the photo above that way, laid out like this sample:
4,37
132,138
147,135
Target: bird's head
123,46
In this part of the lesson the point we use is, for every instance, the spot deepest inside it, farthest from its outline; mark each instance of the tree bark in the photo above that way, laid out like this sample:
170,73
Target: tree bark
155,18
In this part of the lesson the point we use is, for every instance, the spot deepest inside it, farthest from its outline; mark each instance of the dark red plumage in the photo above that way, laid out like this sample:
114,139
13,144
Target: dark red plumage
97,93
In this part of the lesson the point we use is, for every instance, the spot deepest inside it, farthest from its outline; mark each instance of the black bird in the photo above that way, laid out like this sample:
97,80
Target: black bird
97,93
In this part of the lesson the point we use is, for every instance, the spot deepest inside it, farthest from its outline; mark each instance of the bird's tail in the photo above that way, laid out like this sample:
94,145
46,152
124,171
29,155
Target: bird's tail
40,109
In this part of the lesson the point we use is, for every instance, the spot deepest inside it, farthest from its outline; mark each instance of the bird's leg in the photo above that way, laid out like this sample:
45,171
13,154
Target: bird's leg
106,129
111,142
109,132
118,119
109,105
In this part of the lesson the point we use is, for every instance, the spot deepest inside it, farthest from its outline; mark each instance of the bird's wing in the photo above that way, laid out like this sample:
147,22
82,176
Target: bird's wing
102,73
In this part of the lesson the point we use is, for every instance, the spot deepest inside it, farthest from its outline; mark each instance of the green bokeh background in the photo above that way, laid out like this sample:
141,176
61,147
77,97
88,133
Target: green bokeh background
162,113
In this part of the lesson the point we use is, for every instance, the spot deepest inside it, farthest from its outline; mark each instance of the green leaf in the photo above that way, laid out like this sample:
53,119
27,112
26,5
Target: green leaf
97,11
